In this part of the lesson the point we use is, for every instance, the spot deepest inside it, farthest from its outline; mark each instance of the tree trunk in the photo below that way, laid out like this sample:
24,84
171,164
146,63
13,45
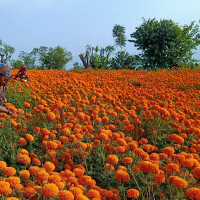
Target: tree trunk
2,58
84,59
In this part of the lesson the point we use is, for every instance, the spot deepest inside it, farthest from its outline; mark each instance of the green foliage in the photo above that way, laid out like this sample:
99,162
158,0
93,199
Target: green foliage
123,60
46,58
119,35
6,52
99,58
165,44
16,64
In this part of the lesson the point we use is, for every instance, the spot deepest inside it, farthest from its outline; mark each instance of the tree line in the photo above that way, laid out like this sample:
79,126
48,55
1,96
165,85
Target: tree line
163,44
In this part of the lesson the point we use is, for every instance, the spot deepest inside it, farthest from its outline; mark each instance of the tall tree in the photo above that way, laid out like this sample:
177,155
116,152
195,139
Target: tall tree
6,52
118,33
165,44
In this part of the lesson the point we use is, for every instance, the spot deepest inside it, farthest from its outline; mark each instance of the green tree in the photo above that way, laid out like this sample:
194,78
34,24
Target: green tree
97,58
165,44
54,58
6,52
123,60
119,35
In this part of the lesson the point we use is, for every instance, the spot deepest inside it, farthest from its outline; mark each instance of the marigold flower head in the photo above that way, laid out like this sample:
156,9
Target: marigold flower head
49,166
24,174
93,193
112,159
2,165
65,194
148,167
193,193
127,160
24,159
121,175
179,182
29,137
22,141
159,178
5,188
133,193
13,181
50,190
29,192
168,150
50,116
172,167
76,191
9,171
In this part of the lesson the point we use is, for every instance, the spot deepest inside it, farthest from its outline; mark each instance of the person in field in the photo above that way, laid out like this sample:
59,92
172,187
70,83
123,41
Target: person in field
4,79
21,74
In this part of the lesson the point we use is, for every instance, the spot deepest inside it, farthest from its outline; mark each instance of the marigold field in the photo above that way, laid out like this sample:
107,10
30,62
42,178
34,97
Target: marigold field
103,134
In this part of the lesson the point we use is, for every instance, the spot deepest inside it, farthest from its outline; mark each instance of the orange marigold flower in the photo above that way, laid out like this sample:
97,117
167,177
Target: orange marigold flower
50,190
41,175
133,193
159,178
168,150
52,145
24,159
22,141
54,178
12,198
5,188
13,180
9,171
50,116
193,193
24,174
143,141
76,191
29,192
148,167
196,172
112,159
127,160
135,169
36,162
172,167
26,104
49,166
81,197
189,162
121,175
93,193
66,195
179,182
33,169
2,165
29,137
78,172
